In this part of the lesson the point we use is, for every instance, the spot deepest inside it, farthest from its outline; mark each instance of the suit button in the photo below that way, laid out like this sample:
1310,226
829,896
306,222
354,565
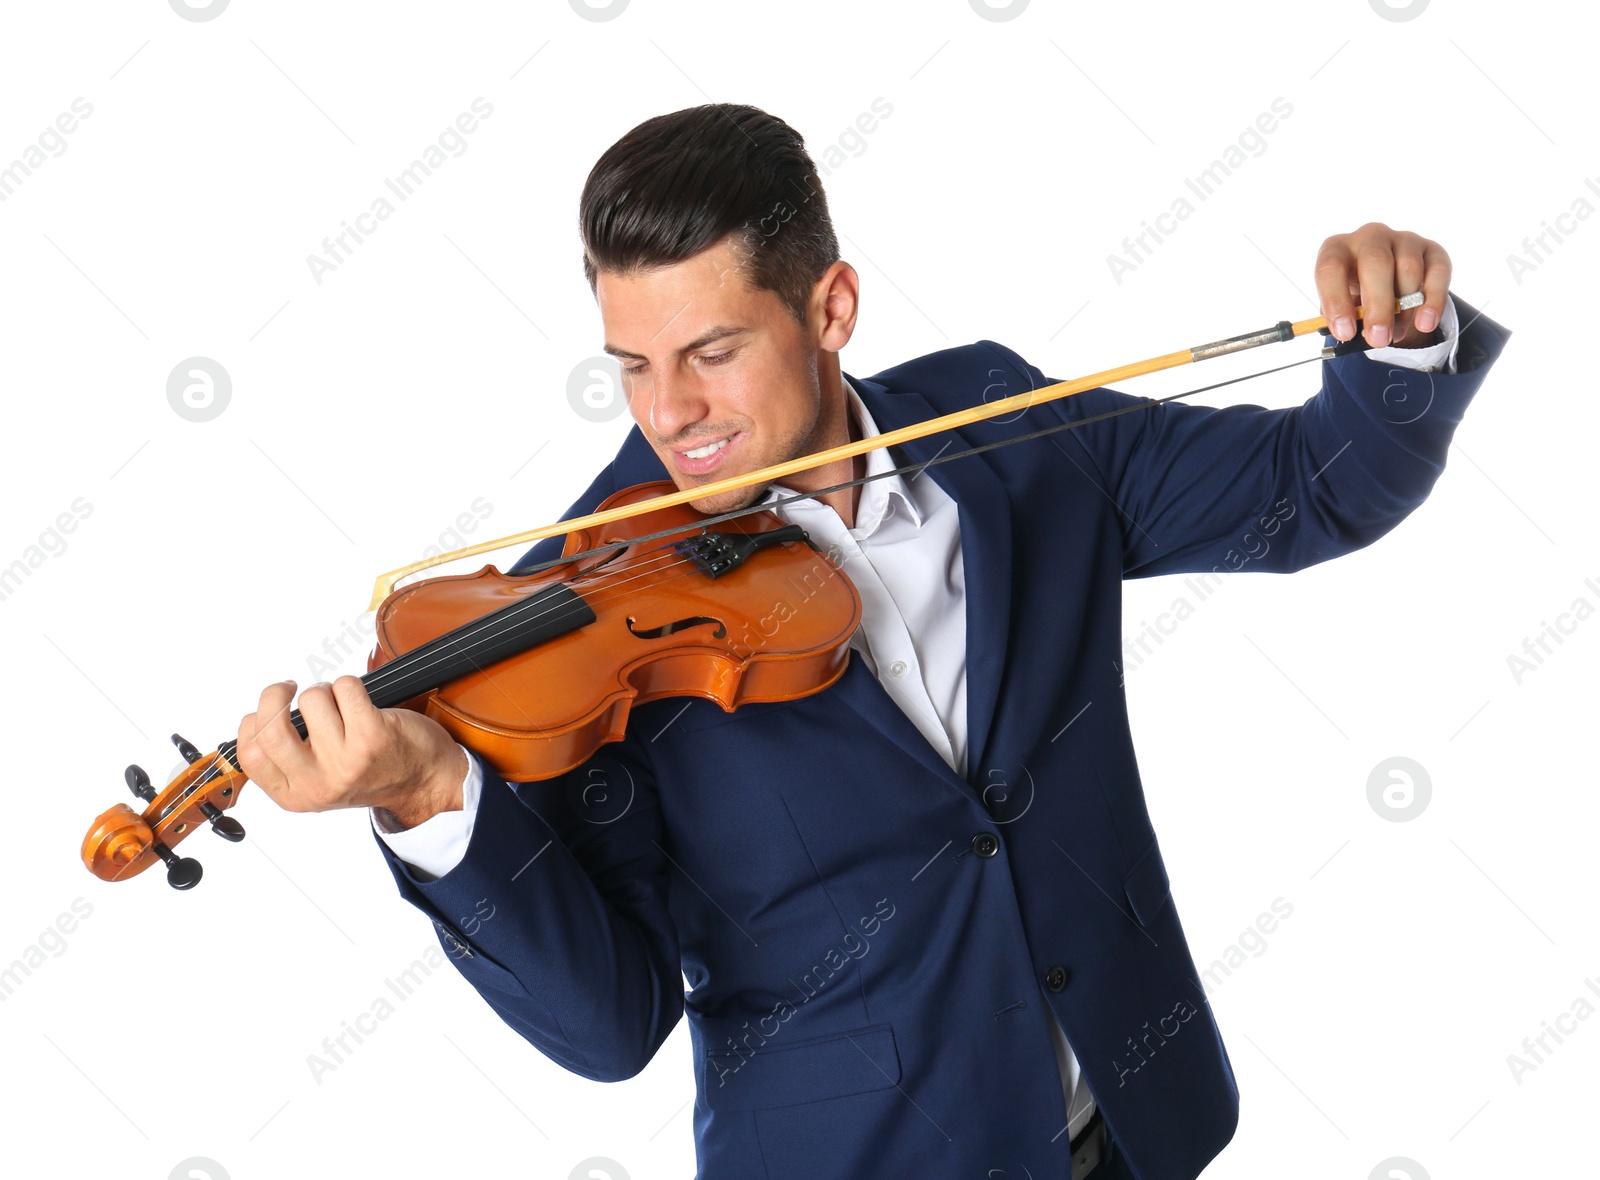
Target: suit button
1056,978
985,844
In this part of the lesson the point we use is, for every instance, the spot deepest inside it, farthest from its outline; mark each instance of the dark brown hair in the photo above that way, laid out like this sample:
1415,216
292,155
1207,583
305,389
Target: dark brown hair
677,184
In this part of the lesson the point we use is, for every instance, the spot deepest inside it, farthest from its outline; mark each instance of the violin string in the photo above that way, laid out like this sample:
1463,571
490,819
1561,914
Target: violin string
514,615
517,613
214,770
496,622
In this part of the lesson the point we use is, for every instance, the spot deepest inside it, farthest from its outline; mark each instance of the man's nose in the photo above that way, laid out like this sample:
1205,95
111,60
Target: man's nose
674,403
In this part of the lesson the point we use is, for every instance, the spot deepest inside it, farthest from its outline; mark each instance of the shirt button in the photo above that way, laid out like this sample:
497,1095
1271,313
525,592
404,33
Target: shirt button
1056,978
985,844
898,668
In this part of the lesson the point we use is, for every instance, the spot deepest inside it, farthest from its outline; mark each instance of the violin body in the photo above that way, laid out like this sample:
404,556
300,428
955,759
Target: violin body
776,628
536,672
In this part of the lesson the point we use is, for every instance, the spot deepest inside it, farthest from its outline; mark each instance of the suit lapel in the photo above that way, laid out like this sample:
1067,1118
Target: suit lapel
985,516
862,696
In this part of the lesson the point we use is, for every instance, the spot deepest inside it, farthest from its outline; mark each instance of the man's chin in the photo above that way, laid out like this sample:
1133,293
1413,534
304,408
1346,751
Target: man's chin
729,501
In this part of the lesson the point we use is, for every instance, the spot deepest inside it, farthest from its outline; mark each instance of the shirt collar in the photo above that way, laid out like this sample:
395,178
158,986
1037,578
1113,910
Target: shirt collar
879,496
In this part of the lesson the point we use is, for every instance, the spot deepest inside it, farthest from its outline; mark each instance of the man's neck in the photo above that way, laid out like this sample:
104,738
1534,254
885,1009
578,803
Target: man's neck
839,426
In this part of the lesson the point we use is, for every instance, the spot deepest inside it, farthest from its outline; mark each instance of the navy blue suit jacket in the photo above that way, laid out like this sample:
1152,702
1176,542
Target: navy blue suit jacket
864,983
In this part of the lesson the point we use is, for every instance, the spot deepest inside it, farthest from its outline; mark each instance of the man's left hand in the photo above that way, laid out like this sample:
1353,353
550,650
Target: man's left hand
1374,266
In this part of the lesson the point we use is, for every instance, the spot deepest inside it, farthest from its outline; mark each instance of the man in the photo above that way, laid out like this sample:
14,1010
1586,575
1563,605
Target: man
923,916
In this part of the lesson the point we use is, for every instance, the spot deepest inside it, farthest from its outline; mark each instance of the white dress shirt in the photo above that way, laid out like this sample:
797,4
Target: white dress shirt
904,558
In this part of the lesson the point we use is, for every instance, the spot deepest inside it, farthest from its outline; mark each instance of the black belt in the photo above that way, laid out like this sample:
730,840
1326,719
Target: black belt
1089,1146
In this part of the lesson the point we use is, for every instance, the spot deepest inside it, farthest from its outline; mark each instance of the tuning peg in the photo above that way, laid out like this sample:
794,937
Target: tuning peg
190,754
139,783
183,872
223,825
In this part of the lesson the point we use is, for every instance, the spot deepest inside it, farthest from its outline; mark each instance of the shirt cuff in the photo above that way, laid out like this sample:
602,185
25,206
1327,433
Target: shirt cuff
1434,358
436,845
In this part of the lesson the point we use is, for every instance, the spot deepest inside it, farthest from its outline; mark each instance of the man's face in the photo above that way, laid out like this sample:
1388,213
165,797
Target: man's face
719,377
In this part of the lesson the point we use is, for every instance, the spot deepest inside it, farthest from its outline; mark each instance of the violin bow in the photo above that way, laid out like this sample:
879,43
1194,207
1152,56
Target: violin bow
1280,332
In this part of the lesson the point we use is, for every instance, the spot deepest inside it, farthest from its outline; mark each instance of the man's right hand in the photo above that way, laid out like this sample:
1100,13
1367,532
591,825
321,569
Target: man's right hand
354,754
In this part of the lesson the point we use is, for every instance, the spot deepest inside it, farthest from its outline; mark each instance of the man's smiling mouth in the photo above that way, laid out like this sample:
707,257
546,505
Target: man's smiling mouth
706,451
707,456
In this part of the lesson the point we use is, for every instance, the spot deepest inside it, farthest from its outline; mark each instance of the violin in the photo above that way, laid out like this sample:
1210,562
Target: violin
535,672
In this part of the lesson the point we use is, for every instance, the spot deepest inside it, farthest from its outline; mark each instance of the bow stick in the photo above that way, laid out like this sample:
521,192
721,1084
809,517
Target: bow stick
1282,331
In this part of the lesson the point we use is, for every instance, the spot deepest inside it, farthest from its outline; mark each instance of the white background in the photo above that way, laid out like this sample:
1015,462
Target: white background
373,408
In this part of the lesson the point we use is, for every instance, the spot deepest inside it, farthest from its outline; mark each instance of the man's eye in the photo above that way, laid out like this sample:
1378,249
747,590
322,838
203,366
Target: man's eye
707,358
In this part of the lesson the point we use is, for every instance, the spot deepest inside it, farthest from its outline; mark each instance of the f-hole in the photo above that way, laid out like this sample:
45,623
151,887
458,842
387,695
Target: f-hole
666,629
610,557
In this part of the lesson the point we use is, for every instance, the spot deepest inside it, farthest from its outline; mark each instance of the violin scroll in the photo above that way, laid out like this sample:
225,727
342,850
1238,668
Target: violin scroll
123,842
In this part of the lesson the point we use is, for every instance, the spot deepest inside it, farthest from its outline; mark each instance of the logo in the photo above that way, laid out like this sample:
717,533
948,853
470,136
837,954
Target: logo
1399,1168
198,12
599,13
594,389
1404,13
1001,12
1399,789
199,389
197,1167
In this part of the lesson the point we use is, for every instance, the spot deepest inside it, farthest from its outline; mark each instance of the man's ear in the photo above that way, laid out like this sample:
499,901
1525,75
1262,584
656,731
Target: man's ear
835,302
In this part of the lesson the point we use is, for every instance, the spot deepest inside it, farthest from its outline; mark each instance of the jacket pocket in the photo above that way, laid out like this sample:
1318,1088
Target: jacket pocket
1147,886
853,1062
